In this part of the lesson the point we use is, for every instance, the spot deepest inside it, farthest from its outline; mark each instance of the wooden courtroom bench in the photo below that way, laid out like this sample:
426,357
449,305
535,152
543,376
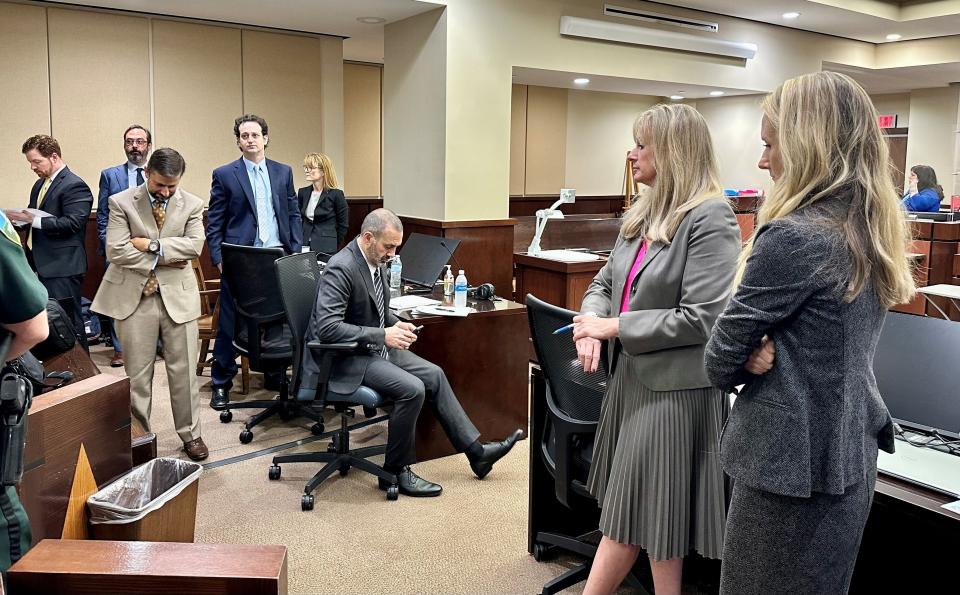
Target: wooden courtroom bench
148,568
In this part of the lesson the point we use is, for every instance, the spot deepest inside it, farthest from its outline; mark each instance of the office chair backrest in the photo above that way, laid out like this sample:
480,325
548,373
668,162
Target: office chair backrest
298,276
576,393
253,286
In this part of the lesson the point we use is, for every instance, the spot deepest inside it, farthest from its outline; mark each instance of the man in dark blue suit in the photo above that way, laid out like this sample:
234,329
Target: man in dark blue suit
55,238
137,142
252,203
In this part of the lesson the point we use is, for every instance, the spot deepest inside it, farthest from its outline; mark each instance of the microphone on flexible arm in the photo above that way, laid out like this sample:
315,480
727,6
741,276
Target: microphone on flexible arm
450,252
484,291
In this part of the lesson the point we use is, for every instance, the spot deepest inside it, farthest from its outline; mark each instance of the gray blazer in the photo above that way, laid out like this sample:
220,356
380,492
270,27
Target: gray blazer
681,289
800,428
346,311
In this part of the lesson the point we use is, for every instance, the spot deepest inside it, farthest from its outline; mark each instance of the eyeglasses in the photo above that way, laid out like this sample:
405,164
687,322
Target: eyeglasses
135,141
310,169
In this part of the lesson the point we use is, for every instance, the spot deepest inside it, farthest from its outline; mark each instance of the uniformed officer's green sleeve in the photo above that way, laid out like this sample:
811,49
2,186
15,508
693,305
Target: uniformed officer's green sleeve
21,295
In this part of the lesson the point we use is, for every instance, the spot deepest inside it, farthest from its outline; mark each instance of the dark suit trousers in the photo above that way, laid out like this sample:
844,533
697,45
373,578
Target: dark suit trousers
66,290
224,366
407,379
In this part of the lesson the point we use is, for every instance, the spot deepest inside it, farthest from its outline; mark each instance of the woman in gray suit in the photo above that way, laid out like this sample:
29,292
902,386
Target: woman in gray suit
655,469
322,206
826,261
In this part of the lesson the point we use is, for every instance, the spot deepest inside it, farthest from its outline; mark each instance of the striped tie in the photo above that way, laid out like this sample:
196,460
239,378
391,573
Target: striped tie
378,294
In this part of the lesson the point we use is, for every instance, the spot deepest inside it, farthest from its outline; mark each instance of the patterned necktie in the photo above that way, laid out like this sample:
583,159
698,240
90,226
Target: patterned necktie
139,176
261,196
160,215
378,294
40,197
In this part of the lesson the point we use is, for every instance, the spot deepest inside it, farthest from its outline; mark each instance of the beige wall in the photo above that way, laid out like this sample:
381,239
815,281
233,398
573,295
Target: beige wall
414,112
932,137
894,104
362,125
186,81
518,139
735,128
546,140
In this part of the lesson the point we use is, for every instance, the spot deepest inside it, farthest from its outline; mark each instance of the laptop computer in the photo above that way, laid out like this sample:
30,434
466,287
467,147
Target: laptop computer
424,257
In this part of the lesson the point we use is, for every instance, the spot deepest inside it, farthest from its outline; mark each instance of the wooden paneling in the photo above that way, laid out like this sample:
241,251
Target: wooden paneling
518,141
279,85
140,568
527,206
546,140
362,124
594,232
197,96
26,104
559,283
358,209
99,85
95,413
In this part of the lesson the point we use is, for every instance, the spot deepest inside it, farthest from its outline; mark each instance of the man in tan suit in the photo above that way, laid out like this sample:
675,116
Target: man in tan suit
153,233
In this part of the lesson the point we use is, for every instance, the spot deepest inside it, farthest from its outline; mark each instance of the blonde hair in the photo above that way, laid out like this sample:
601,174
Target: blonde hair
830,144
686,171
322,161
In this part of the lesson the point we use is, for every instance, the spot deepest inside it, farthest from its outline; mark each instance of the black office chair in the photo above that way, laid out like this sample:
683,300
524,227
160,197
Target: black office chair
298,277
261,332
573,410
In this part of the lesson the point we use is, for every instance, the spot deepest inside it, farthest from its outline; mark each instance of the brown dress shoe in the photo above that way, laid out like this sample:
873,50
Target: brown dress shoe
117,360
196,449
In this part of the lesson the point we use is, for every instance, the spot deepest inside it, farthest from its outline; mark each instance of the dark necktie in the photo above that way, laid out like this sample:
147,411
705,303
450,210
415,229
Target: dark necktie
378,294
160,215
139,176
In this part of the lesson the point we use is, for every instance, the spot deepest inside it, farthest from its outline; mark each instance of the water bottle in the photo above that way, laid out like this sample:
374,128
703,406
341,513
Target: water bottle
460,291
396,269
448,282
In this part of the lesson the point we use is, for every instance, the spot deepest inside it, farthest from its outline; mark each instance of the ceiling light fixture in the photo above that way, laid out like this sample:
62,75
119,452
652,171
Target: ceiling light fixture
894,37
676,97
581,81
372,20
790,15
716,93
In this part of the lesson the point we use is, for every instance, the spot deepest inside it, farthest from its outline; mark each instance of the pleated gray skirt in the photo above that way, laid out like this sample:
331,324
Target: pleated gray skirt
656,468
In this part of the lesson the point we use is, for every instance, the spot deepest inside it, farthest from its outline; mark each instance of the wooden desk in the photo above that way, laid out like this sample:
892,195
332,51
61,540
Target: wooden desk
939,242
594,232
555,282
147,568
485,358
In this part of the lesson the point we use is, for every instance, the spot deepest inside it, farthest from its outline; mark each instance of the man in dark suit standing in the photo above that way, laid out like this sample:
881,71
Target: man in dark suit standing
55,240
252,203
137,142
353,305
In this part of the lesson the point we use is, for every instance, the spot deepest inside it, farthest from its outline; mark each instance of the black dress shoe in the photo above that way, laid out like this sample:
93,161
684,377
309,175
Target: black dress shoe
412,484
220,397
493,452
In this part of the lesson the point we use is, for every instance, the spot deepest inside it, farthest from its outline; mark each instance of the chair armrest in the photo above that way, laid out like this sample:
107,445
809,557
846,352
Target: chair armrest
212,283
321,346
209,292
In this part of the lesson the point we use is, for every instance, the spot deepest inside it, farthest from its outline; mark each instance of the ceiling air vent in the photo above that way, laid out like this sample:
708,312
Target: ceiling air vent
611,10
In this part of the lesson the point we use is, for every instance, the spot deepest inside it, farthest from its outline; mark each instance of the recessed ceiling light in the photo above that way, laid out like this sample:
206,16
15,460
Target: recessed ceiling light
790,15
716,93
894,37
676,97
372,20
581,81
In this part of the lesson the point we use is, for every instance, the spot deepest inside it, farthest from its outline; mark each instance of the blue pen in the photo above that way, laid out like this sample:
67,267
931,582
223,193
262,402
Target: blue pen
563,329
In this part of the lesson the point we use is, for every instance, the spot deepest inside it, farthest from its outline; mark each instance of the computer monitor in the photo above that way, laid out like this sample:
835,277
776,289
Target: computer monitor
423,258
933,216
916,370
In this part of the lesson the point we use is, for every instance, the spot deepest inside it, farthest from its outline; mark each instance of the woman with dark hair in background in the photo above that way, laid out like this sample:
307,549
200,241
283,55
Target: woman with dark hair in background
924,194
322,206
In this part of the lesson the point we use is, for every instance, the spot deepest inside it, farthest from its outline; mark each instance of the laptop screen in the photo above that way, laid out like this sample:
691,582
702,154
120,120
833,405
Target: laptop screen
424,256
916,370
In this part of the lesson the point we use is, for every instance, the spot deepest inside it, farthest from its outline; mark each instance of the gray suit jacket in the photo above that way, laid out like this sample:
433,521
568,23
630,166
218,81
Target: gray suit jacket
675,299
346,311
801,427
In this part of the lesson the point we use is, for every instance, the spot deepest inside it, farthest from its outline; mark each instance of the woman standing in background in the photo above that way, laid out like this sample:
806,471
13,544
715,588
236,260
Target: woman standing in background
322,206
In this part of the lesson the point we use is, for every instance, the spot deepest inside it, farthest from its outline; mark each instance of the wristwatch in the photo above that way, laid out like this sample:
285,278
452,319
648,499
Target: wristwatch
154,246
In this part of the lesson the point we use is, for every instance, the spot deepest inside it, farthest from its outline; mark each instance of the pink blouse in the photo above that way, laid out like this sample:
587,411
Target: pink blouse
634,270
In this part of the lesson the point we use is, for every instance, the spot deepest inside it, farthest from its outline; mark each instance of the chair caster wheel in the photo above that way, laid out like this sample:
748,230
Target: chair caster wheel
393,492
541,552
369,412
306,502
334,444
344,470
316,429
246,436
226,416
274,472
331,447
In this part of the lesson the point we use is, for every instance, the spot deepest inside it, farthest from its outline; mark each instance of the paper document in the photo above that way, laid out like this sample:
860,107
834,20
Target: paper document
952,506
405,302
34,212
568,255
437,310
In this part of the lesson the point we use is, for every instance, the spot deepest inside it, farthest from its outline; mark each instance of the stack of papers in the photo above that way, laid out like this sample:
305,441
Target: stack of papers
406,302
568,255
438,310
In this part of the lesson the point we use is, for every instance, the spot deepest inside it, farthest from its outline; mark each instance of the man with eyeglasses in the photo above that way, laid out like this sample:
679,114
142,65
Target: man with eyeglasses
252,203
137,142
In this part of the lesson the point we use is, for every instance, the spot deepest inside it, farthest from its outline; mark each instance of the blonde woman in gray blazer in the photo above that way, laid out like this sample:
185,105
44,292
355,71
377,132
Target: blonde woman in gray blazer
656,471
827,259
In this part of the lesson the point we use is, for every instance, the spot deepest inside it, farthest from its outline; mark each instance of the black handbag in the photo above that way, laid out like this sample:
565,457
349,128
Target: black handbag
62,337
30,369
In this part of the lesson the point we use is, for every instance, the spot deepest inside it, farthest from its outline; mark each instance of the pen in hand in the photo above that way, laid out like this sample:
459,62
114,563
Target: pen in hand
563,329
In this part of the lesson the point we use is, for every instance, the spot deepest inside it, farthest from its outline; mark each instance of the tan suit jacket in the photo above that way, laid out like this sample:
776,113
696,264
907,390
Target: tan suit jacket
131,215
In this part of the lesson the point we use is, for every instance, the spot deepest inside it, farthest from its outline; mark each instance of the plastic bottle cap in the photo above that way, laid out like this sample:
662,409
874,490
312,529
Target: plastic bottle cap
461,271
